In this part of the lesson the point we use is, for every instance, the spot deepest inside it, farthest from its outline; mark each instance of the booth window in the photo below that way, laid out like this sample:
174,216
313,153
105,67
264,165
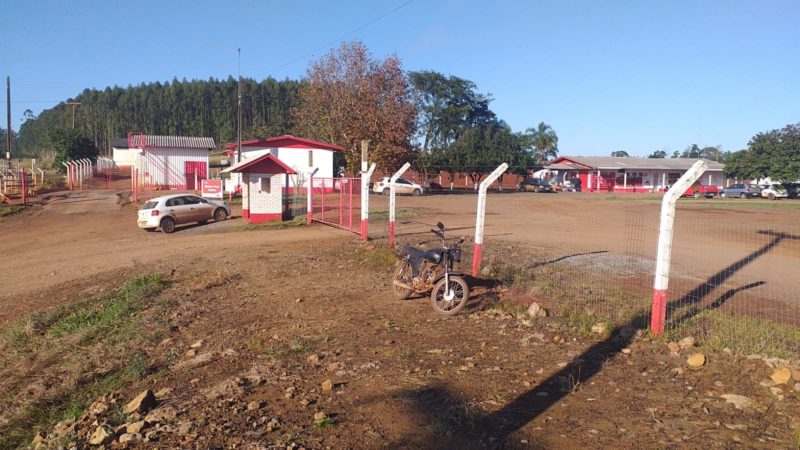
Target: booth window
266,185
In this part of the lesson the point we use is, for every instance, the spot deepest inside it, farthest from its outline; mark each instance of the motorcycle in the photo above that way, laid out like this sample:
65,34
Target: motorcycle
423,271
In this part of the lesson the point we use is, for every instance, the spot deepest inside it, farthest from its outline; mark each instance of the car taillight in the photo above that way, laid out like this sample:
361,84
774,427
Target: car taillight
154,212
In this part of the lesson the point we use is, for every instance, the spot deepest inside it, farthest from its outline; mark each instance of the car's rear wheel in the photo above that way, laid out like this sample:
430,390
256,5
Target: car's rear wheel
416,193
722,195
220,214
168,225
771,196
742,195
386,191
696,194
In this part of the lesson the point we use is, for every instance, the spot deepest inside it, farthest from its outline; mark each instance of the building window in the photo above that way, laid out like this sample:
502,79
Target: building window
266,185
311,158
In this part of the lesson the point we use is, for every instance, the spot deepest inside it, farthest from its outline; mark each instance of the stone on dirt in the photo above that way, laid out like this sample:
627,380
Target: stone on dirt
130,437
320,416
327,386
135,427
739,401
101,436
535,310
254,405
599,328
674,347
141,403
197,344
696,360
781,376
687,342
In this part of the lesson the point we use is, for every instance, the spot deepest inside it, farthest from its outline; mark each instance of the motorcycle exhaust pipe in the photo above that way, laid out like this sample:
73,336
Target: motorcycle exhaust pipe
400,284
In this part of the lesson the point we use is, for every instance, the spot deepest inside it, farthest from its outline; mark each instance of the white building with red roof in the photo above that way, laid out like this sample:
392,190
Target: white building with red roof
300,154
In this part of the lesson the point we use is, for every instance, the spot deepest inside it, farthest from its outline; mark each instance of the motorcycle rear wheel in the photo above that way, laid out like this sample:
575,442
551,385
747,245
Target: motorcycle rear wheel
403,275
460,290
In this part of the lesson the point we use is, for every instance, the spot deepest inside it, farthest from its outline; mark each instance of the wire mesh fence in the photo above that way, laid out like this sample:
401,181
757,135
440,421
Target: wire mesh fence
590,259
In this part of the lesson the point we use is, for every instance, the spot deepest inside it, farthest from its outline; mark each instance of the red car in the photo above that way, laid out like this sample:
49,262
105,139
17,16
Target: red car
700,190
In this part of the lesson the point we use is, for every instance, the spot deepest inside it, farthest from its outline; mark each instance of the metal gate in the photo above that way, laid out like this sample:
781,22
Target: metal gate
337,202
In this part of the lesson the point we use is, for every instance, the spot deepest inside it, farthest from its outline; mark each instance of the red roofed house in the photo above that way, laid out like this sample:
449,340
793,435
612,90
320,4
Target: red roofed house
263,187
628,174
299,154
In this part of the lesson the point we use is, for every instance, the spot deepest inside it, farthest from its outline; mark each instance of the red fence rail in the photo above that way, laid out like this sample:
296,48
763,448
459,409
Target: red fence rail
337,202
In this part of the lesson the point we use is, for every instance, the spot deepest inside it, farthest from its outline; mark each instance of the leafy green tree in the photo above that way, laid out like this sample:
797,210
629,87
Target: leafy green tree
711,153
481,149
69,144
658,154
774,154
544,141
447,106
620,154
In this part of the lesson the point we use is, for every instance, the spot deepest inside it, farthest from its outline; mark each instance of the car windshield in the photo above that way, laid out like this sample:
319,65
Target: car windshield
150,205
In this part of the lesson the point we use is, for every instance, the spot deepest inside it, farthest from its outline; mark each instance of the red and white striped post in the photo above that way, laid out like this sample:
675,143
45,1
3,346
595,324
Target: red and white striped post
309,193
392,197
478,250
664,256
366,175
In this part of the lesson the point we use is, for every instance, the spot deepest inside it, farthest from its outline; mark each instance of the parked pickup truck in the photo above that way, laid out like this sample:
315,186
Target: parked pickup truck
701,190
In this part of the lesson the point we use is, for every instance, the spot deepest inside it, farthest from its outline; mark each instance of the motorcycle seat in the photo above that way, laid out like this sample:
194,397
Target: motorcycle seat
434,256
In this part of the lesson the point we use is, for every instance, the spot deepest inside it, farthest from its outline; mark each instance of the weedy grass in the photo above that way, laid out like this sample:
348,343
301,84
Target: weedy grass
299,221
85,345
10,210
377,257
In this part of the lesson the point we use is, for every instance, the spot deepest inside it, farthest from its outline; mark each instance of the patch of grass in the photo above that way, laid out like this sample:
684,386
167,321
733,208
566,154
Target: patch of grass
718,329
295,347
10,210
298,221
582,320
325,423
67,341
378,257
399,214
448,420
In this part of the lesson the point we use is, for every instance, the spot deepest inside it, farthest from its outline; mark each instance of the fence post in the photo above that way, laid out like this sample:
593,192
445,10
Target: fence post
309,202
69,184
478,250
392,195
365,177
661,283
23,188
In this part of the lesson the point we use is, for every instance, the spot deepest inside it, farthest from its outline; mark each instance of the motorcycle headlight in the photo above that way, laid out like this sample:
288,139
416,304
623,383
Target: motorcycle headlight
456,254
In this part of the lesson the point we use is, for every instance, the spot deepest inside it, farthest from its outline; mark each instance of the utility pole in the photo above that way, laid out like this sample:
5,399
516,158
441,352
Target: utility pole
8,117
74,105
239,109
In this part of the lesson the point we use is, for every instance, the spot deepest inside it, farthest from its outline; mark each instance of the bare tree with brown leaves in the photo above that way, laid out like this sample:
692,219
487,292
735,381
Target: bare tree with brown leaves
348,95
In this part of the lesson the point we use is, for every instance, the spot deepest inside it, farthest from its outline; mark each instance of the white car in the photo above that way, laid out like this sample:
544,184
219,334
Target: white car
774,191
168,211
402,186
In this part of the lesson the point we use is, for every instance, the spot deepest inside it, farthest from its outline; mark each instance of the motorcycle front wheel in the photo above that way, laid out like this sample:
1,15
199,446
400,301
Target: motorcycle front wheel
459,292
402,275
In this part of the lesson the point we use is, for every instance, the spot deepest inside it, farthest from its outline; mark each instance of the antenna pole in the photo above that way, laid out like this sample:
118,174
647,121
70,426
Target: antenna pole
8,117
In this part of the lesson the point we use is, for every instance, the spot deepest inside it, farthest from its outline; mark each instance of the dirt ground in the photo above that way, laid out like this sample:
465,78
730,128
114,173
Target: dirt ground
302,306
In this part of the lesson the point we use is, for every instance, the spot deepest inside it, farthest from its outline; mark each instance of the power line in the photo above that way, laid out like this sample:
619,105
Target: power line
342,36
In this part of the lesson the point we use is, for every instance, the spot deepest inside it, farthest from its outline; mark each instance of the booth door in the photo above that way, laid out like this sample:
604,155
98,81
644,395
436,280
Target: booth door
192,168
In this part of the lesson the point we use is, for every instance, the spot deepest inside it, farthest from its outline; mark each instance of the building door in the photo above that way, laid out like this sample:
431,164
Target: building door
195,170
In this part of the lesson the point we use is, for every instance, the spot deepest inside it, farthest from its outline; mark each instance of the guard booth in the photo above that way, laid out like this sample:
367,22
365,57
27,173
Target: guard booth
264,188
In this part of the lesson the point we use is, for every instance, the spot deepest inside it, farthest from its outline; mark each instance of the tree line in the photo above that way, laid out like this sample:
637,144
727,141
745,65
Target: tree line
190,108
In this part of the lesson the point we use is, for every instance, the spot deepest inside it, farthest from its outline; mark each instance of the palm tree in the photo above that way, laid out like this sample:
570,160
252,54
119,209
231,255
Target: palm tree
544,141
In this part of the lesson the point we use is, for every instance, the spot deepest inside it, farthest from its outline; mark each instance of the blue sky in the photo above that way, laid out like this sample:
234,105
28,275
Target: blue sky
606,75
